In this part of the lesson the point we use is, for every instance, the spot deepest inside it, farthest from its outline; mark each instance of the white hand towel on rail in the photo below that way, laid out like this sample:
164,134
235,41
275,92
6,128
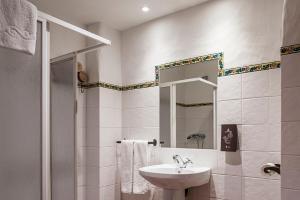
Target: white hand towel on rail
141,158
18,25
126,170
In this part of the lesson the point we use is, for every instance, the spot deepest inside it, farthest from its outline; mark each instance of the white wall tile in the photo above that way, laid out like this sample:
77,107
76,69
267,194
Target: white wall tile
229,112
81,137
92,136
229,163
110,98
109,136
141,117
108,176
92,116
81,156
261,137
290,104
109,192
92,176
110,117
92,156
146,97
291,138
81,176
290,172
81,116
81,193
288,194
92,97
255,111
255,84
230,87
275,109
108,156
290,70
92,193
225,187
275,82
144,133
262,189
253,161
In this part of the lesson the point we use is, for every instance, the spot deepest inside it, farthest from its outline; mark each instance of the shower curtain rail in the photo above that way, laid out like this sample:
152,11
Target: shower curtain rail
72,27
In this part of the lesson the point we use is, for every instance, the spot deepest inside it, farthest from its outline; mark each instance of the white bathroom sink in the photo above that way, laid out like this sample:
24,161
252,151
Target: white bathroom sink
168,176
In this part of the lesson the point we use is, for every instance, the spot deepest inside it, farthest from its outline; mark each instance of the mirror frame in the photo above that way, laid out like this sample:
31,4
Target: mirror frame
219,57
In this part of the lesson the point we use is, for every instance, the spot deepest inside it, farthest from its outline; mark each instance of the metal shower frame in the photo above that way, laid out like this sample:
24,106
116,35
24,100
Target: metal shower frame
45,19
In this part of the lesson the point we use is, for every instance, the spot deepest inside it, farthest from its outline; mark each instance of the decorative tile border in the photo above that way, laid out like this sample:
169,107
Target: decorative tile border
117,87
100,84
215,56
139,86
290,49
194,104
250,68
188,61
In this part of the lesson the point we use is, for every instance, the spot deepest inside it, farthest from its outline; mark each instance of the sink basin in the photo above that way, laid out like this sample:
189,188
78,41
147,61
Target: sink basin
168,176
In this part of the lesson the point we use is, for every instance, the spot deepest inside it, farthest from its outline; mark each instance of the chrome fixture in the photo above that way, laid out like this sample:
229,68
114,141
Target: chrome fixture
182,163
197,137
154,142
271,168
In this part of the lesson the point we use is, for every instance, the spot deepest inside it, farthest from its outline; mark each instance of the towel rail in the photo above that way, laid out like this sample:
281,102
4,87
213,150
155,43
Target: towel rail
154,142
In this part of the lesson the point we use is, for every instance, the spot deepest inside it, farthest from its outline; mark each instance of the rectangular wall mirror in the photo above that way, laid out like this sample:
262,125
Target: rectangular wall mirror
188,103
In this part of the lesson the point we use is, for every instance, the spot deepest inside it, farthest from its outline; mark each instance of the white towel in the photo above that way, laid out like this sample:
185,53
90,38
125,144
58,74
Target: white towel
18,25
126,169
141,158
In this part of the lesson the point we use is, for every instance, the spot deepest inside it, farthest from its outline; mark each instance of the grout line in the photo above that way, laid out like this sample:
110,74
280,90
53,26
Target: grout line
269,179
249,98
257,151
291,155
293,189
290,87
290,121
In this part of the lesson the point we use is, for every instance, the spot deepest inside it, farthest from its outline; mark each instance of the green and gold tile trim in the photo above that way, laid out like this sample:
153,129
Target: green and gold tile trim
99,84
188,61
194,60
194,104
290,49
250,68
117,87
139,86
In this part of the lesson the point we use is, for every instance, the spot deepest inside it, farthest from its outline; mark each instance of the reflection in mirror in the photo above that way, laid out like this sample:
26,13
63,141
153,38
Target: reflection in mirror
165,115
188,105
194,115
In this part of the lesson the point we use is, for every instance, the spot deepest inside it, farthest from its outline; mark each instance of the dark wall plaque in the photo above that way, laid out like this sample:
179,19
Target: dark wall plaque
229,137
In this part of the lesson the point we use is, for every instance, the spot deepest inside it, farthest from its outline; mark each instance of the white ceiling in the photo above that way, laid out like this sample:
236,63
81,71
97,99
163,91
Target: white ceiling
120,14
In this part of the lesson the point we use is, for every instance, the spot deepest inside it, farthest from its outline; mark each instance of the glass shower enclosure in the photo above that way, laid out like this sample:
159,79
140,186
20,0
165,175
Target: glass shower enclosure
37,133
22,129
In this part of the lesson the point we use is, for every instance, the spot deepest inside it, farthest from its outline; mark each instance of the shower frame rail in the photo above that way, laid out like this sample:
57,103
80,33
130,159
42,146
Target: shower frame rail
46,149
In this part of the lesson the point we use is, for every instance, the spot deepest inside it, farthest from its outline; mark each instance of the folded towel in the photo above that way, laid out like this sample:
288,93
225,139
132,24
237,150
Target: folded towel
126,166
18,25
141,157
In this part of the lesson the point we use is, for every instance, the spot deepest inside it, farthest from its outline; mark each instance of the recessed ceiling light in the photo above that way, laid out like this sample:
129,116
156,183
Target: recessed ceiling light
145,9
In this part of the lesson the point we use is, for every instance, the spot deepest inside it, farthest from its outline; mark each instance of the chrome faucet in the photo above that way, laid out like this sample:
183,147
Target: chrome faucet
181,163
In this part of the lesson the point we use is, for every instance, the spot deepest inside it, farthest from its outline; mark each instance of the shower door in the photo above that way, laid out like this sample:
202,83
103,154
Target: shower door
63,161
21,125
